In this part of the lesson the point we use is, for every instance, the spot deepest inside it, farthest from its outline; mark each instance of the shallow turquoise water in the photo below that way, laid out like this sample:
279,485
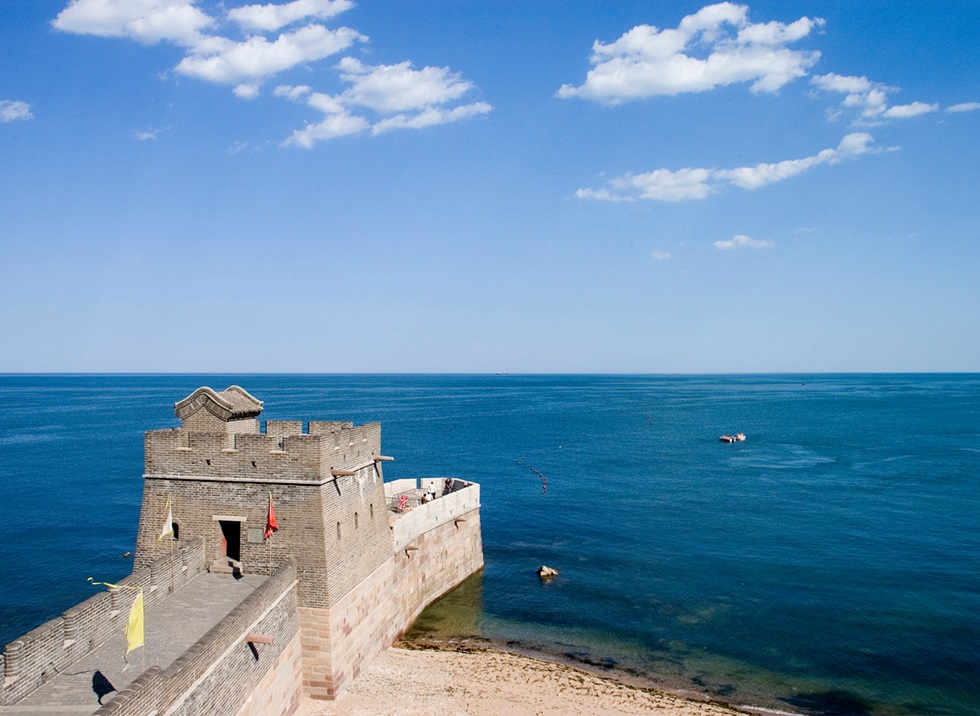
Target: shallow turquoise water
830,563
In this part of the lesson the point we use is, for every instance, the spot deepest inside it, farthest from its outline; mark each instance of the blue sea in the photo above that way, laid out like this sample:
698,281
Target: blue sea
829,564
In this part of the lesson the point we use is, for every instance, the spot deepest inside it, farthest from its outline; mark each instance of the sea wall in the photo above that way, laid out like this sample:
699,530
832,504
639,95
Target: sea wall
462,497
31,660
223,673
438,546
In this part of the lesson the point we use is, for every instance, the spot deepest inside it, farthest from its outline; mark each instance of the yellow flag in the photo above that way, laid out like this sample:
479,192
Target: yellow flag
168,524
134,627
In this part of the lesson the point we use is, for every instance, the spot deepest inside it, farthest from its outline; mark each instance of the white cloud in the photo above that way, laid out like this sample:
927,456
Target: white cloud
294,93
658,185
741,241
396,97
647,62
269,18
333,126
660,255
694,183
11,110
903,111
869,99
257,58
842,83
146,135
964,107
148,21
762,174
396,88
246,90
378,99
430,116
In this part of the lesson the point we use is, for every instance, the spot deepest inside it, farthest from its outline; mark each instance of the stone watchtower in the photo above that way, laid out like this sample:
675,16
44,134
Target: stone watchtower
217,470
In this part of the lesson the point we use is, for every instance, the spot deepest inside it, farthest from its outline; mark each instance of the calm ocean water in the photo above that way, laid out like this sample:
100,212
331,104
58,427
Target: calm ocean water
830,564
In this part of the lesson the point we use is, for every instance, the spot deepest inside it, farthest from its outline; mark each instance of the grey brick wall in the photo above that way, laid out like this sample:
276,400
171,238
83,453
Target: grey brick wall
33,658
218,673
344,583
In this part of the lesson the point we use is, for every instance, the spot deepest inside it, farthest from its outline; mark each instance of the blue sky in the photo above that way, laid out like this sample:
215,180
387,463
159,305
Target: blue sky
331,186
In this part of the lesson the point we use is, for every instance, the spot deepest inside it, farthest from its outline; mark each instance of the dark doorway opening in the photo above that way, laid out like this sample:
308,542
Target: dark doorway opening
231,539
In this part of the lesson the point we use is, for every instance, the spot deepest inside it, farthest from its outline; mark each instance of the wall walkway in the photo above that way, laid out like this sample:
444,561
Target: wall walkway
171,627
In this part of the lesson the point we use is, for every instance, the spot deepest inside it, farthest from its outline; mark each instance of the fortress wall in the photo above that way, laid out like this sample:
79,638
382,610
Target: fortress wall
442,546
284,452
395,486
221,670
221,456
280,691
196,503
33,659
56,645
281,428
203,421
436,561
462,499
96,619
308,518
350,447
320,427
355,533
340,641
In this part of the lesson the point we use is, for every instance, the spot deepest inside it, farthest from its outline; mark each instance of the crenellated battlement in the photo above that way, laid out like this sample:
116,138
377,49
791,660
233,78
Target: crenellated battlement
284,452
303,503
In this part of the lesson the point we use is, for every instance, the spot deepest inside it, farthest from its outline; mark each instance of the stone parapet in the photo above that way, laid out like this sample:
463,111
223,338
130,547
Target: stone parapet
464,497
219,673
281,454
53,647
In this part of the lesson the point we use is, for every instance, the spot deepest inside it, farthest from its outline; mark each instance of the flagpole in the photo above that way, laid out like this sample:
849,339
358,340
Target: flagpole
170,516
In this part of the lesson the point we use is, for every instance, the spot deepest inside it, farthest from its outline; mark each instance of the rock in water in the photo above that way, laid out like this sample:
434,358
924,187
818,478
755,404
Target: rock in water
547,573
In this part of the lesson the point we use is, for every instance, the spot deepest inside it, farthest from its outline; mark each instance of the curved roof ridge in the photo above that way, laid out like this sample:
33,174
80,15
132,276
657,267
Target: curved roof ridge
232,403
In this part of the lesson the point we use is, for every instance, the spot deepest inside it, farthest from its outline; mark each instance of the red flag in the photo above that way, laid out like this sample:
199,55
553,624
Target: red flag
270,522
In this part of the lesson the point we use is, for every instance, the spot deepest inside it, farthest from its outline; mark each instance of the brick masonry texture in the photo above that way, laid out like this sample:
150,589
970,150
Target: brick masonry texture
221,671
31,660
346,576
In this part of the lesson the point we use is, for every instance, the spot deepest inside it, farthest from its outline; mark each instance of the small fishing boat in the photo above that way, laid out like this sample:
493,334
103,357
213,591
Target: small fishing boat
736,438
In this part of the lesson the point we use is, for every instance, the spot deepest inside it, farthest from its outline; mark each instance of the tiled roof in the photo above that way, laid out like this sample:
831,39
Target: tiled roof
232,403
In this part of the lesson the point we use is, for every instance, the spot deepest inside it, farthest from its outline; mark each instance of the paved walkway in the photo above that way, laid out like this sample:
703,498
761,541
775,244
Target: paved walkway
170,628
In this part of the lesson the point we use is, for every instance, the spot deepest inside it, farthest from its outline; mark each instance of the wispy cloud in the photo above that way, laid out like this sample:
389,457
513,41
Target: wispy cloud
741,241
868,99
269,18
256,58
274,38
395,96
146,135
647,61
964,107
11,110
692,183
660,255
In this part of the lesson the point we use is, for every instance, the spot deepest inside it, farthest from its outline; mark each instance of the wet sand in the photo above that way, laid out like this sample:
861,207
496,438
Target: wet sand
486,682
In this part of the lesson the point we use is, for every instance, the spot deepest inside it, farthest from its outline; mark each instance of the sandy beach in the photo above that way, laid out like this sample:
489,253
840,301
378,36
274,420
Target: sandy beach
406,682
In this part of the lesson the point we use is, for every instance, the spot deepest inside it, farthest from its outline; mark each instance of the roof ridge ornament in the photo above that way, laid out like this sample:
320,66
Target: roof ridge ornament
233,403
